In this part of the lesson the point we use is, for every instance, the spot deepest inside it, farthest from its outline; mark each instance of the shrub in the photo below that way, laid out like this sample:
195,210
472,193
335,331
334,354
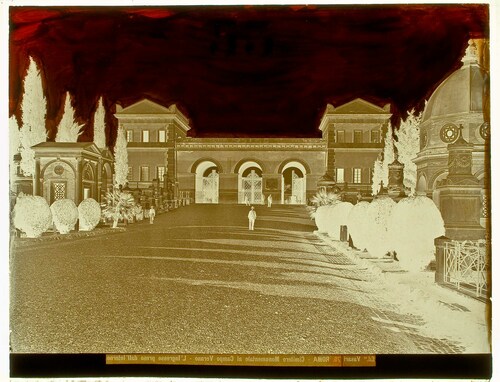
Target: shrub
64,215
32,215
337,217
378,241
414,224
320,203
89,212
357,224
119,205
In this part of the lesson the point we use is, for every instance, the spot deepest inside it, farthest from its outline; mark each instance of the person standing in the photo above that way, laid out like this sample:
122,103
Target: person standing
247,202
252,215
152,214
270,200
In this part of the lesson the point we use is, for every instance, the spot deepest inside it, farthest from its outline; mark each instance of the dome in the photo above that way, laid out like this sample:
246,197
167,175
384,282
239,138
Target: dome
461,92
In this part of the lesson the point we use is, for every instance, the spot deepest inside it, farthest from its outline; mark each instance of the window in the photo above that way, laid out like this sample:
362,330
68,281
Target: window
162,136
356,175
129,174
340,136
130,135
160,171
358,136
375,136
340,175
145,135
144,174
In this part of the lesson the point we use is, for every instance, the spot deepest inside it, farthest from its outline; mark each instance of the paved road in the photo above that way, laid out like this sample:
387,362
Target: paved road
198,281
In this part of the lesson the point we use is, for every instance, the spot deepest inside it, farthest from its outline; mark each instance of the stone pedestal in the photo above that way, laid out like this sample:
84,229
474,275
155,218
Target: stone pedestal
395,188
460,194
461,210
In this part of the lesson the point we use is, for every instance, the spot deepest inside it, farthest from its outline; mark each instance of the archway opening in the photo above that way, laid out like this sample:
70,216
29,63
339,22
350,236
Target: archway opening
207,183
250,183
293,184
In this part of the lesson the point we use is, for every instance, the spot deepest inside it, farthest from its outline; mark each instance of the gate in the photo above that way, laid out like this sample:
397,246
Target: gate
252,188
297,189
210,188
466,265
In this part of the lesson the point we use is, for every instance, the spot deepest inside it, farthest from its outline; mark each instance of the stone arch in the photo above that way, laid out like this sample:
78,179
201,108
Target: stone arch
88,172
207,181
302,165
59,181
195,165
243,162
89,181
293,182
250,182
42,172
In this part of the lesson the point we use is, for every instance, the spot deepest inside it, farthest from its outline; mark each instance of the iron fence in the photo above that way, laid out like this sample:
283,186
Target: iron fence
466,266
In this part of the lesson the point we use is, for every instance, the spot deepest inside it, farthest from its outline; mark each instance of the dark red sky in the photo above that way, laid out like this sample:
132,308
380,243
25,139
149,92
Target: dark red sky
240,71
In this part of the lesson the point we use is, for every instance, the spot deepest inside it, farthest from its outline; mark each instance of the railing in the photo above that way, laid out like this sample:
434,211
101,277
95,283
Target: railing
466,266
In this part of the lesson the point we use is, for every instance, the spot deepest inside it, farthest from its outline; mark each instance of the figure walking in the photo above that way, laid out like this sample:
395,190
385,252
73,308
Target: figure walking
152,214
269,201
252,215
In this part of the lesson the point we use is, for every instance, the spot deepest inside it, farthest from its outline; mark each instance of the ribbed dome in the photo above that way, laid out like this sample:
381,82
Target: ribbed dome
461,92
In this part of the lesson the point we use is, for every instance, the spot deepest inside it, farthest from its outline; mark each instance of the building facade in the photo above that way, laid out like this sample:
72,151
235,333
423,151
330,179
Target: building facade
248,170
72,170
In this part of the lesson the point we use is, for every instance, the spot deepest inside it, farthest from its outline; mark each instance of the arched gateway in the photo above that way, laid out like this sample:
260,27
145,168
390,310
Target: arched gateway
207,183
293,190
250,183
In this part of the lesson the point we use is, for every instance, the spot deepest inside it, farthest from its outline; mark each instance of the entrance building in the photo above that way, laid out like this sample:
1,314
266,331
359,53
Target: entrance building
241,170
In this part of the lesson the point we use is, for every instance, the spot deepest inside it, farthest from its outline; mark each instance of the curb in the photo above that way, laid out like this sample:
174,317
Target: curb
17,242
354,257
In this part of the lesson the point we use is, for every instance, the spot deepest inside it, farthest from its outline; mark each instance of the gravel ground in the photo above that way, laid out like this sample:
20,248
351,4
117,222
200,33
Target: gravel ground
197,281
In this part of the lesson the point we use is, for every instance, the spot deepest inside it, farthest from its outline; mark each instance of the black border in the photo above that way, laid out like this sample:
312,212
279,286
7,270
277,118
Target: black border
470,366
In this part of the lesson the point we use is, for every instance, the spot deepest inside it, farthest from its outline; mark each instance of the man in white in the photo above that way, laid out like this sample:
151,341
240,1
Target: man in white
252,215
269,200
152,214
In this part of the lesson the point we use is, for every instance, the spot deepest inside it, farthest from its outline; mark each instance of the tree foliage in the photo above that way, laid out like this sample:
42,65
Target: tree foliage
14,145
408,145
100,126
34,110
121,158
388,154
68,129
377,175
119,205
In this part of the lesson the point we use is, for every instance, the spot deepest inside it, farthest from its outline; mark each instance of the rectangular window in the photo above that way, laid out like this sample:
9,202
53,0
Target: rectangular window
340,136
375,136
160,171
356,175
130,135
358,136
162,136
145,135
129,174
144,174
340,175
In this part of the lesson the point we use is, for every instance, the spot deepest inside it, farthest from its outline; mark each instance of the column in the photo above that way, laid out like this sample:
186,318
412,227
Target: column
78,181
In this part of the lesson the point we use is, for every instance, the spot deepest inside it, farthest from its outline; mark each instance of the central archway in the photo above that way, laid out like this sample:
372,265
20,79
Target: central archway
293,184
207,183
250,183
